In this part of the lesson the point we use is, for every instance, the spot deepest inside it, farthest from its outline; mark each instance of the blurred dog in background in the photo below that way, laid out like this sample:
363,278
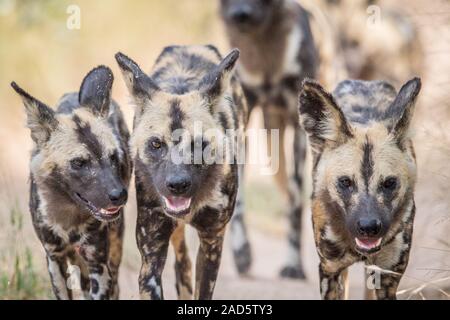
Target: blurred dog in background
277,53
364,39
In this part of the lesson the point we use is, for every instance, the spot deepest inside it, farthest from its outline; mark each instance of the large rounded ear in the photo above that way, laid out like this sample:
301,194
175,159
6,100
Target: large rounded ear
321,117
400,112
40,118
95,90
215,83
139,84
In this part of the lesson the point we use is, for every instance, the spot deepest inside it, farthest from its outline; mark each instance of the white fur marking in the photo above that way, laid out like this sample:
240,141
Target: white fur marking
58,280
152,283
324,286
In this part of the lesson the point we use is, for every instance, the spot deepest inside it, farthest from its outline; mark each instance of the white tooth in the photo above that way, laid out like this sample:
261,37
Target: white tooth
177,208
166,201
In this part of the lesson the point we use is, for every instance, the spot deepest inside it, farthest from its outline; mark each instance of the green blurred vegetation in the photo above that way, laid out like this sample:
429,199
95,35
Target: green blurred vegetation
19,278
39,52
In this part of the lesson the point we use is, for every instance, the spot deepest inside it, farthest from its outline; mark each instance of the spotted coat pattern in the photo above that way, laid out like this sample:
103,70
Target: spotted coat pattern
187,85
80,152
364,169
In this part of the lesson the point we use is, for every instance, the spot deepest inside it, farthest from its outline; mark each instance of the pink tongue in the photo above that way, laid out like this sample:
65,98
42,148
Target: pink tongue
178,202
368,242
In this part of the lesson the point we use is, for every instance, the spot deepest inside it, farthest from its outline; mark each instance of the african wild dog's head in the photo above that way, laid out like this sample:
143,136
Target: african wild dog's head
249,15
364,168
79,160
170,138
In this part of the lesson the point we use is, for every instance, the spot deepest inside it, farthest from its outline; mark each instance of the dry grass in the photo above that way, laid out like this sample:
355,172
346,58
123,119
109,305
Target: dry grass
22,274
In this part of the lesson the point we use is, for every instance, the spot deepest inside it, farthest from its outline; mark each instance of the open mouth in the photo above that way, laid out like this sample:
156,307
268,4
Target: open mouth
103,214
178,206
368,244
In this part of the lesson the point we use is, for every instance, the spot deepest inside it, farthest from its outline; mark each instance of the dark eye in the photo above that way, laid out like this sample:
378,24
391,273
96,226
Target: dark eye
155,143
390,183
345,183
78,163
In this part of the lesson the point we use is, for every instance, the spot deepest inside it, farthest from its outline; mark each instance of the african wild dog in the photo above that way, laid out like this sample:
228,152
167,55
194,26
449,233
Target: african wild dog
277,52
80,170
364,172
375,40
189,86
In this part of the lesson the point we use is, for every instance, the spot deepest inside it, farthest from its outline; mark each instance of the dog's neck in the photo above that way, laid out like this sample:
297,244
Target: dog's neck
60,208
263,49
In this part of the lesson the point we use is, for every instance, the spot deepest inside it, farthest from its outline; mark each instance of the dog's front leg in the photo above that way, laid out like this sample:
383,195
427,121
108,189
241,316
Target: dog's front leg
389,285
153,232
56,253
94,251
332,284
391,262
182,264
116,230
79,283
100,279
239,235
208,262
293,267
57,267
150,283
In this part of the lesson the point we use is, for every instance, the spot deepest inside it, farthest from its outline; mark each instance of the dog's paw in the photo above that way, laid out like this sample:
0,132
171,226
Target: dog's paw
292,272
243,258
